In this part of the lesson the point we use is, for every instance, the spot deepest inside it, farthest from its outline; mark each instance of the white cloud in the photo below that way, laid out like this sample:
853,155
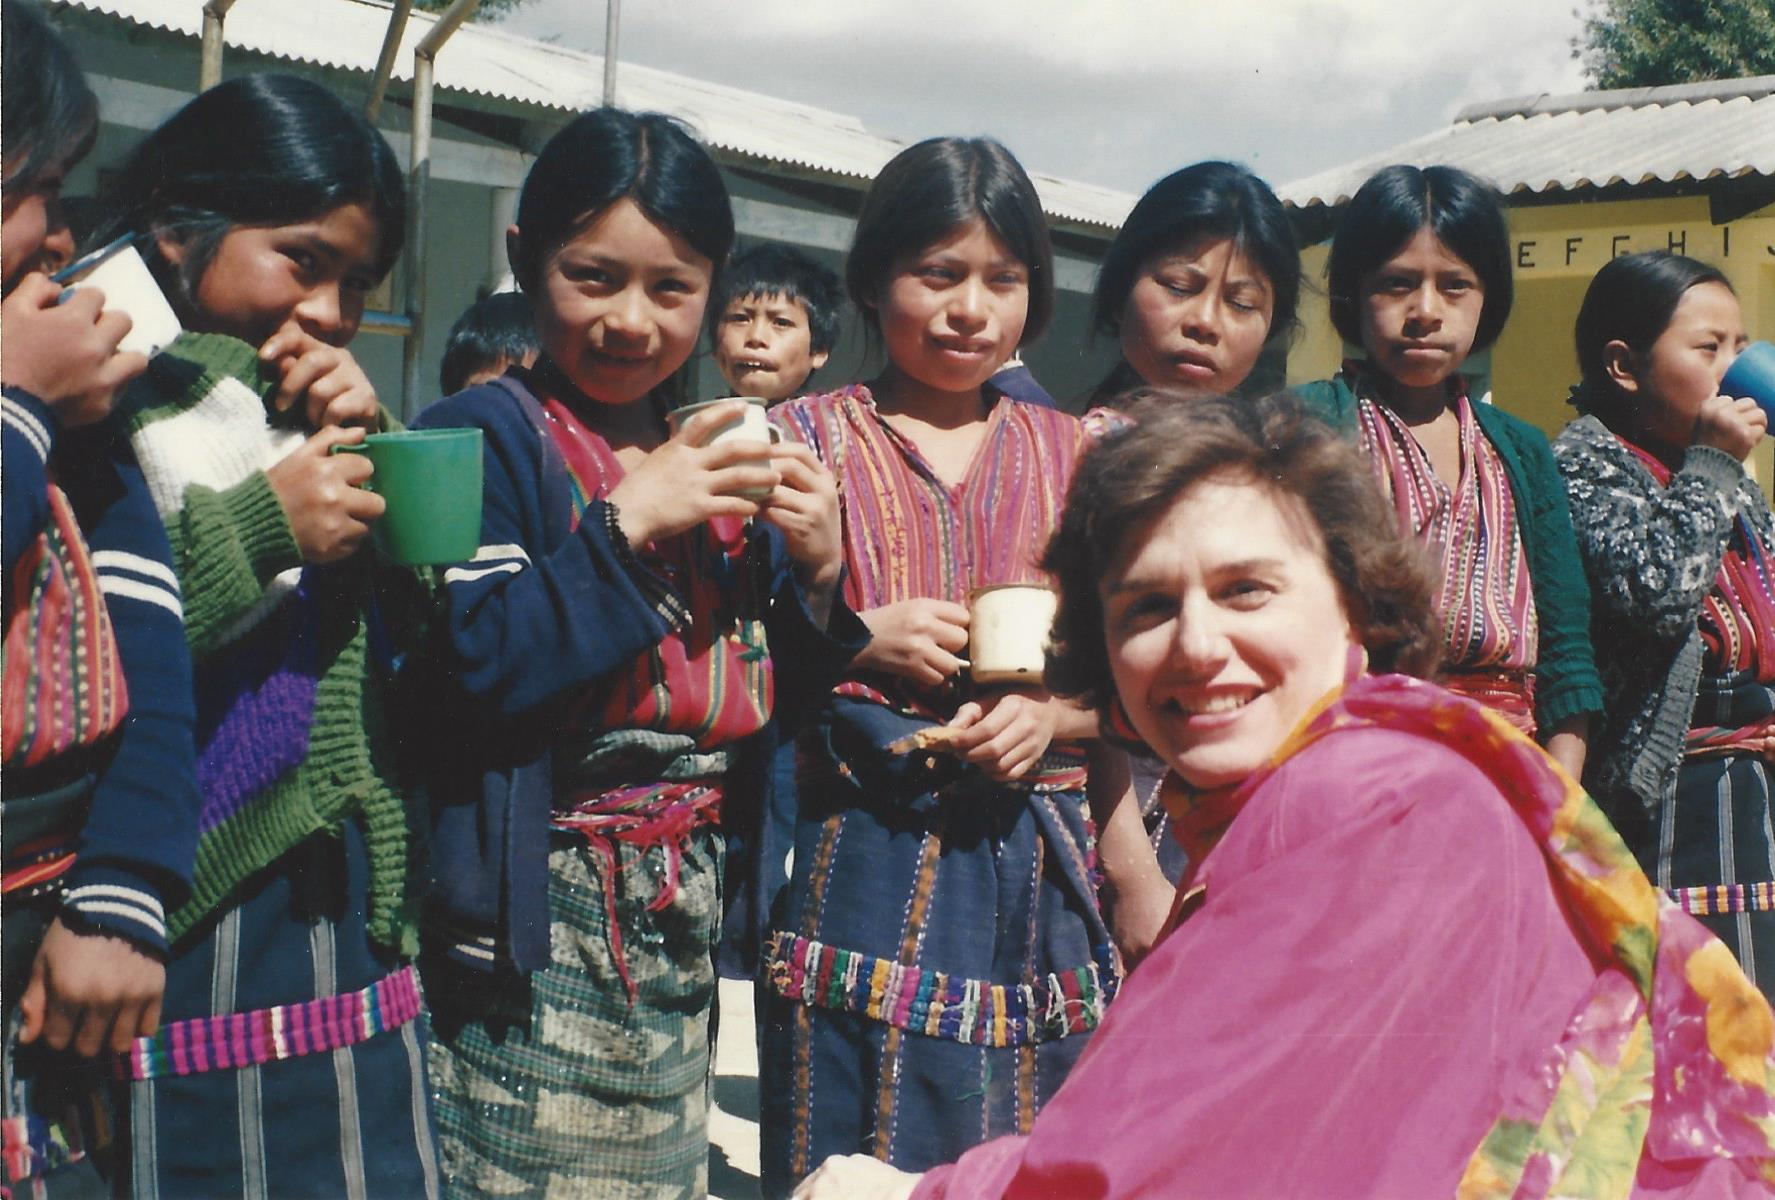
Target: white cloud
1116,91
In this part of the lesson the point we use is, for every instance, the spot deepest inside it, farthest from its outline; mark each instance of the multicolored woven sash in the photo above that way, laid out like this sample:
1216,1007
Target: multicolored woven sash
32,1146
932,1003
63,678
1725,898
251,1039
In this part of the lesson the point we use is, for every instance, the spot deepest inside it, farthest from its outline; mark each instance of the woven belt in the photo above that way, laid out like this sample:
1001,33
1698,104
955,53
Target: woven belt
1725,898
251,1039
938,1005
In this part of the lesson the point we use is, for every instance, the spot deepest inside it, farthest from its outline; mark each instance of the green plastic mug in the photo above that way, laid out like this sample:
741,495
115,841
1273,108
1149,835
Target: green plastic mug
431,479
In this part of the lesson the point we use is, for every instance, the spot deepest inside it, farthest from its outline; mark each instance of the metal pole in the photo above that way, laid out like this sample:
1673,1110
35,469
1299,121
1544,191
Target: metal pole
612,18
418,189
391,46
209,70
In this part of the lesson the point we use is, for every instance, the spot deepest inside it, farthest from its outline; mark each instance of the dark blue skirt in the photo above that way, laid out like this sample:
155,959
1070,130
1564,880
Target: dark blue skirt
354,1122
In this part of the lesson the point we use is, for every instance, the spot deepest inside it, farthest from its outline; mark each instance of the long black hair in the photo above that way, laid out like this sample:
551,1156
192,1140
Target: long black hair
928,190
1631,300
1387,212
1208,199
48,115
257,150
610,154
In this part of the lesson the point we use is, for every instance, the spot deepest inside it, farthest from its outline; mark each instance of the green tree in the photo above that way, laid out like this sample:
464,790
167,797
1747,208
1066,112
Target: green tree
1650,43
489,10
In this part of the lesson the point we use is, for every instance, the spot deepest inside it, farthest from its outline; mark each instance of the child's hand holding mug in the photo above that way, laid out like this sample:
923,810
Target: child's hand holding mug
691,477
66,354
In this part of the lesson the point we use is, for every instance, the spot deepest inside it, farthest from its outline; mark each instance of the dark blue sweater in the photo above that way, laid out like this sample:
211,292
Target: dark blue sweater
134,855
542,613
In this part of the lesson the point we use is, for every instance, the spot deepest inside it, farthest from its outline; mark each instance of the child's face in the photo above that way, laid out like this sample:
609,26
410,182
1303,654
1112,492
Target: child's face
952,314
1683,368
619,306
1197,317
33,235
313,274
764,348
1420,310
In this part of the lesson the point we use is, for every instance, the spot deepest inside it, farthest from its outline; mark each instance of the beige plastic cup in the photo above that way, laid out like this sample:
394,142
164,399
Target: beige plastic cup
129,288
751,425
1008,629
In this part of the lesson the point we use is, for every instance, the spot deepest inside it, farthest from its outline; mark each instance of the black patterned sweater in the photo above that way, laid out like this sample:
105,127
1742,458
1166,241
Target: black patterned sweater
1651,554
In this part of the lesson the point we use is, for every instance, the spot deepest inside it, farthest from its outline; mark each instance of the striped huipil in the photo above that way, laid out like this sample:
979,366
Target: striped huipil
941,959
1484,595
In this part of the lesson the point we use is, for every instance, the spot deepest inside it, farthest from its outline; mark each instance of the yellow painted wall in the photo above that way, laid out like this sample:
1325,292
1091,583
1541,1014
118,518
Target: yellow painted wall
1558,248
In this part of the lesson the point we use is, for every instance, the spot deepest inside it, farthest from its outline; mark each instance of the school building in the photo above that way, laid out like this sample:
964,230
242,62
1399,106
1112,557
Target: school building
796,173
1585,178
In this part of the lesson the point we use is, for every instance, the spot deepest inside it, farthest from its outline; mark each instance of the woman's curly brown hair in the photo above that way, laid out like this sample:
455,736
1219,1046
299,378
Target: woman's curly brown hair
1173,443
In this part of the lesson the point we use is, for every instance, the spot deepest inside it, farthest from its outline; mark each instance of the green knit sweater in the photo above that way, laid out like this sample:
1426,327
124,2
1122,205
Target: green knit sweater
198,422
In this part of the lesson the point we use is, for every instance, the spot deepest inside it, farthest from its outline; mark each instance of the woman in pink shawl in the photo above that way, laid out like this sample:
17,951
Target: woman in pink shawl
1411,957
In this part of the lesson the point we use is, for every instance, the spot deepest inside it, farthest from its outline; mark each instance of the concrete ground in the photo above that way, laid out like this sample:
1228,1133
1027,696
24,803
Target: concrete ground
733,1122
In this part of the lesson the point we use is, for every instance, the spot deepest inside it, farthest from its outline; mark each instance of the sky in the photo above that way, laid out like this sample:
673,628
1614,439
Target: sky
1112,92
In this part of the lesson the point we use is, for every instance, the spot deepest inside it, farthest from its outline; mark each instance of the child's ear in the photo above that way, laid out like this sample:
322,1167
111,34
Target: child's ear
818,359
1622,366
172,250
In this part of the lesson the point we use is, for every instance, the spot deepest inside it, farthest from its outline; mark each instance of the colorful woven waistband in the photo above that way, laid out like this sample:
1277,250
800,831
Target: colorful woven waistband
938,1005
251,1039
1725,898
37,868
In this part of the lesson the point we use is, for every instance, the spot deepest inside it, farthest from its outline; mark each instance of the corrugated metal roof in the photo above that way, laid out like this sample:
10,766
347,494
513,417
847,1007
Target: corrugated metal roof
484,61
1586,140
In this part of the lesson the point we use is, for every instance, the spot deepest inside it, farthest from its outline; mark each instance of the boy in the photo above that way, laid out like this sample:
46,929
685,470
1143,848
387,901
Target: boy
493,333
773,319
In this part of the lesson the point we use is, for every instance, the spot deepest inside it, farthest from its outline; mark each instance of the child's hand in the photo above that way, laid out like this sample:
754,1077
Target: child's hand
66,354
1732,425
328,511
916,639
90,991
1007,733
805,507
326,380
682,483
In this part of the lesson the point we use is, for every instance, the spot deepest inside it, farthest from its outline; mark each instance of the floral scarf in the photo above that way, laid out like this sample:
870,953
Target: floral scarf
1669,1055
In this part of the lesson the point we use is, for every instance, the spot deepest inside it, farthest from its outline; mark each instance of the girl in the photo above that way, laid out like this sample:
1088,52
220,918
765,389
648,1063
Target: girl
1676,540
1420,279
610,647
267,210
941,961
1200,278
100,814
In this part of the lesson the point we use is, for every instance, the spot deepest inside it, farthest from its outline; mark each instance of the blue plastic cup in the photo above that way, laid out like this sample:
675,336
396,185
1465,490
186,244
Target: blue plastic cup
1752,376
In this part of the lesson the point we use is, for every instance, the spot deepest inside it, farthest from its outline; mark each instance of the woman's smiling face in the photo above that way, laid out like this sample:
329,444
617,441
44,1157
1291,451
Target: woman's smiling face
1224,627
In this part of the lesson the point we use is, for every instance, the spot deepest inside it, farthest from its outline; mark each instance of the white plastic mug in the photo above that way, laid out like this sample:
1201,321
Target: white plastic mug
1009,625
750,425
118,271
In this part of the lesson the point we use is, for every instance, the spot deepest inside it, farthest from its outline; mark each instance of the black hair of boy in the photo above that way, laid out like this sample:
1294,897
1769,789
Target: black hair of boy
776,270
611,154
1389,210
929,190
254,150
1631,300
1205,200
492,333
48,114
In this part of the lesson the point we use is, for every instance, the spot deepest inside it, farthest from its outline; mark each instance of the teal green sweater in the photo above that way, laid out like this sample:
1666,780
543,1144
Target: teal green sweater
1566,682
